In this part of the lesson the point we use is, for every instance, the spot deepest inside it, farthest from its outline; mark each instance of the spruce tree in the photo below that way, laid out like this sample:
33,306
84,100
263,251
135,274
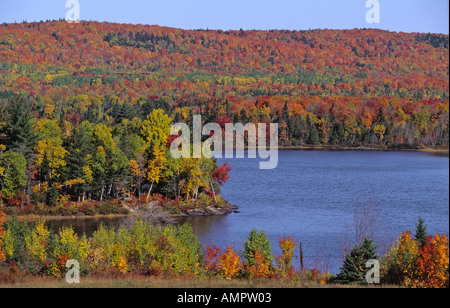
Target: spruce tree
314,138
354,268
421,231
21,136
313,135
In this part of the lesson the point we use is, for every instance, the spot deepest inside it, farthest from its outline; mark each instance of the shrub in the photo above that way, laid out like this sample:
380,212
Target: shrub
187,250
204,200
37,241
10,274
14,240
157,250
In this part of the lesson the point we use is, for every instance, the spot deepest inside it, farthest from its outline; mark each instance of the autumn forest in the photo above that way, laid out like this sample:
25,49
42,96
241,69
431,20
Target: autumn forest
86,110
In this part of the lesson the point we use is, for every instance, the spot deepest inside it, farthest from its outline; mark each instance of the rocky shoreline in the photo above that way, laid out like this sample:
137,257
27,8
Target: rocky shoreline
153,208
210,211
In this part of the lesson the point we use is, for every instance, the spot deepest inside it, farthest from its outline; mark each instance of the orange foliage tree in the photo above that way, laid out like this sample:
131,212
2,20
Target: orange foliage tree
433,262
261,268
284,266
229,263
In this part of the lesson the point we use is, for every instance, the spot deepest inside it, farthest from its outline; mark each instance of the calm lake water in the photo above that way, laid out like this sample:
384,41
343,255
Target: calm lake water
312,196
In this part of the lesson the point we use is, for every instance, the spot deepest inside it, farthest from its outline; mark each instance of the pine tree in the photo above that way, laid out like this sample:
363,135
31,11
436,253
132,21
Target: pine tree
354,267
421,231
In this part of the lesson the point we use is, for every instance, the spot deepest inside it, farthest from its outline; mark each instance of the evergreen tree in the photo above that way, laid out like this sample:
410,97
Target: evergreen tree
337,133
313,136
80,147
257,241
21,136
354,268
421,231
285,113
300,129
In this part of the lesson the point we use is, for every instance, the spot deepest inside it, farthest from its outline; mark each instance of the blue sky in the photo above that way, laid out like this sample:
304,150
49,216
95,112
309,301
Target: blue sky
395,15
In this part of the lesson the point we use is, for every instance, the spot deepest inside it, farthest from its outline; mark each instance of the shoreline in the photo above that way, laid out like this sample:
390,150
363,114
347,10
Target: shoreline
195,212
212,210
439,150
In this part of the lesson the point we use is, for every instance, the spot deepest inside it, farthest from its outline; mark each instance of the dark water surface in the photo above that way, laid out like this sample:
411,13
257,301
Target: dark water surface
312,196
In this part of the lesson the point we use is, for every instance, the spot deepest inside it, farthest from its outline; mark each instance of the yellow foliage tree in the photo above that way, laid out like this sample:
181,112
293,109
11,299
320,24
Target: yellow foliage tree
155,167
156,128
192,174
380,130
36,242
52,154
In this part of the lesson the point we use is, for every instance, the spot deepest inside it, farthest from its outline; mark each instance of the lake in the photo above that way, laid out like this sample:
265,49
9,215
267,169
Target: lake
312,196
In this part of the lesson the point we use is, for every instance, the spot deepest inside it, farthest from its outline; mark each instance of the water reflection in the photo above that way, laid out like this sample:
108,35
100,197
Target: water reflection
203,226
85,225
208,227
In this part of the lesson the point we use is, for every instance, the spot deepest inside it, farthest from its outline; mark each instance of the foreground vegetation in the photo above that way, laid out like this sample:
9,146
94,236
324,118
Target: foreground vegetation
133,281
168,255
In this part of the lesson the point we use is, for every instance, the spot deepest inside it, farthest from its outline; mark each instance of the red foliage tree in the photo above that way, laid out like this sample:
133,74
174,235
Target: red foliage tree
220,174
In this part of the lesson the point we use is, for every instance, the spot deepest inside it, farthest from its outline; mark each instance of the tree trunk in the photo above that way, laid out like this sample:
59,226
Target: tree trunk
212,187
109,190
150,190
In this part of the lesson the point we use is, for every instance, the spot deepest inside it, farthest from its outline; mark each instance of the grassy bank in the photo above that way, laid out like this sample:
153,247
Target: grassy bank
154,283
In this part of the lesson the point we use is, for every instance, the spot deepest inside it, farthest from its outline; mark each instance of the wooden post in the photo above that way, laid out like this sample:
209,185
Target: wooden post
301,256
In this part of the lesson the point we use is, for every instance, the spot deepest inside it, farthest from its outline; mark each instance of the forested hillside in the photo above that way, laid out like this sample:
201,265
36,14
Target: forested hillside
80,103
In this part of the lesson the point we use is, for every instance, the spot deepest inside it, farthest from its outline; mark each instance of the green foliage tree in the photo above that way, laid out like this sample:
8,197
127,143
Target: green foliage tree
257,241
354,267
13,176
